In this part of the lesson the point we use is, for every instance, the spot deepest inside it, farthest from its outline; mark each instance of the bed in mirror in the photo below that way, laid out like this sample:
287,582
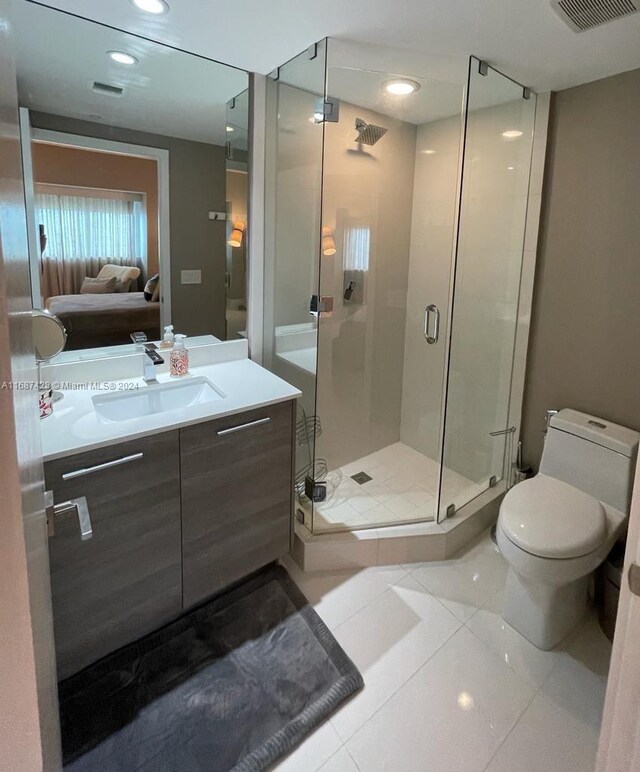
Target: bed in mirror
135,158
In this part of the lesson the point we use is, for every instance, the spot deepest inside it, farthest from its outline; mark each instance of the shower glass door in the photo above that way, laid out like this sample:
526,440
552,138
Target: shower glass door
477,441
389,198
295,133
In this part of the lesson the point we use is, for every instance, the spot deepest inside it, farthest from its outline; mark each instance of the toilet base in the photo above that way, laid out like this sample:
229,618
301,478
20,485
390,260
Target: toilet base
544,614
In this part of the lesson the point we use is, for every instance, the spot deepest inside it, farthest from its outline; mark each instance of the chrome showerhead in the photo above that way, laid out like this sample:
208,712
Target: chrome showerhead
368,133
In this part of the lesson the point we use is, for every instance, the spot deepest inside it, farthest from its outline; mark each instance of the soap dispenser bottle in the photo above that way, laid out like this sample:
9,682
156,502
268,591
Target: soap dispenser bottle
167,341
179,357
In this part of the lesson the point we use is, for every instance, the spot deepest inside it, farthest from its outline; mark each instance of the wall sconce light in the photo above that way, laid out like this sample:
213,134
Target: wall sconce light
328,242
237,234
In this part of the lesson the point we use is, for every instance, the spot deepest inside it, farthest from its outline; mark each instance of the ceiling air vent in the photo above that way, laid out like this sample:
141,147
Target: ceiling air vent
582,15
106,88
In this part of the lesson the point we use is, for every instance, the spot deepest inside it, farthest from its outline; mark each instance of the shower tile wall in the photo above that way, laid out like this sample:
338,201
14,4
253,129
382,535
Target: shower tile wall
361,345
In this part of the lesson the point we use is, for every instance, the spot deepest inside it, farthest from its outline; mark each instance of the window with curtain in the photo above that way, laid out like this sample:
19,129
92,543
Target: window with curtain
86,230
357,246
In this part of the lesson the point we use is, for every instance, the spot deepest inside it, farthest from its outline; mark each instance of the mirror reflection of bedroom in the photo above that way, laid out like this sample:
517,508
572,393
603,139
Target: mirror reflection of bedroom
136,183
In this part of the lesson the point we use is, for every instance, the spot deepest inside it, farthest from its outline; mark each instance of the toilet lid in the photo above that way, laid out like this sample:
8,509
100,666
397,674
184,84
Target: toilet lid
551,519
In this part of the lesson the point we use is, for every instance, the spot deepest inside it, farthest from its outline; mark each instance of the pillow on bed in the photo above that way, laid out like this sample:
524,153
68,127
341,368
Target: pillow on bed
123,285
152,288
124,275
98,286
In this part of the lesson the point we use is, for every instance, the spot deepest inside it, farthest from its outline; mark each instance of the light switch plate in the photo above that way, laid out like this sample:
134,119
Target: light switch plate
191,277
217,216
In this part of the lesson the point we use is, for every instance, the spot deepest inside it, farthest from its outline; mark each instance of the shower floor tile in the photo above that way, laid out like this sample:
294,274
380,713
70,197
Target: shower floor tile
403,489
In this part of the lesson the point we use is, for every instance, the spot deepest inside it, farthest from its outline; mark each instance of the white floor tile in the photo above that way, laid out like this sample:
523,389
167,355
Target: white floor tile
462,589
378,491
466,582
527,660
389,640
338,595
419,497
579,680
444,697
547,739
379,515
399,506
316,749
400,483
451,716
363,502
339,762
403,480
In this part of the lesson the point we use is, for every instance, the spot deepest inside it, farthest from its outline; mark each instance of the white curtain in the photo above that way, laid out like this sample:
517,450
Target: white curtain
357,248
86,232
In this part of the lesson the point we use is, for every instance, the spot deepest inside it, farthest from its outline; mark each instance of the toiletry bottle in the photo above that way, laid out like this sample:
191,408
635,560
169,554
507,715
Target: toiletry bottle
167,341
179,357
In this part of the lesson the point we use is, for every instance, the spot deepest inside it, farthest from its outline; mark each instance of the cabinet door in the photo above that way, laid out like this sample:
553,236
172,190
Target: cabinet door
126,580
236,497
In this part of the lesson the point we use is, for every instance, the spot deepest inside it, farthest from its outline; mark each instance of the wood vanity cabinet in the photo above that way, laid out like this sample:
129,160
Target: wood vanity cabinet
176,517
237,491
125,581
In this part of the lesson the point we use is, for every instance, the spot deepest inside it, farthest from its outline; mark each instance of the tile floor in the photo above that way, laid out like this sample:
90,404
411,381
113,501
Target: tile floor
450,687
403,489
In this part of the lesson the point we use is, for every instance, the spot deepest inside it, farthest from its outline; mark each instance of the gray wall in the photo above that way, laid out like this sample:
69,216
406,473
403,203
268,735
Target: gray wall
585,336
197,186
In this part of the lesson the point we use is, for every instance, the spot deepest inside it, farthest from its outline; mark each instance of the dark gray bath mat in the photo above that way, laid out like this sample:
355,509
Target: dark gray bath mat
234,685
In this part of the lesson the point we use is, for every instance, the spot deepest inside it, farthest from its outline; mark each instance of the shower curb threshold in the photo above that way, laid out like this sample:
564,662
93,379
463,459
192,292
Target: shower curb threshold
410,543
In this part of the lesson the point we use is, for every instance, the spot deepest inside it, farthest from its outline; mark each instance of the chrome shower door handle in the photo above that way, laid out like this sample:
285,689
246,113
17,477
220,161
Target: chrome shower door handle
432,309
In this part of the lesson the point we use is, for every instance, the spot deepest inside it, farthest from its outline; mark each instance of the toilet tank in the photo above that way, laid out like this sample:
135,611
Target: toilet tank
594,455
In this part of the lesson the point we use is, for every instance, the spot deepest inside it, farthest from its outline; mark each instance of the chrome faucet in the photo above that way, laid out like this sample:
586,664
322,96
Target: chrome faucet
150,360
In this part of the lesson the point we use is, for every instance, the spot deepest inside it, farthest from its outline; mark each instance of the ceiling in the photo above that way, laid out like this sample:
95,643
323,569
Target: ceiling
524,38
59,57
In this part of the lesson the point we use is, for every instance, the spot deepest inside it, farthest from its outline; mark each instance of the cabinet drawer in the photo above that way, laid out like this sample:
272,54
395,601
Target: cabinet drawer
125,581
236,497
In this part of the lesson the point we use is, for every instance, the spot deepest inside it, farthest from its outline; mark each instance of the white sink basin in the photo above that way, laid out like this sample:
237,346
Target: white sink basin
154,399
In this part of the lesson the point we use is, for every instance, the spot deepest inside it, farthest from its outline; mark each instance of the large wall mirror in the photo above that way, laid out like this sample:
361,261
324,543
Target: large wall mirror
135,160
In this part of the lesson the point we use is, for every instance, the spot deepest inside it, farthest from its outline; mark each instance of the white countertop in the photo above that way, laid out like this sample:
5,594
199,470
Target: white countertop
75,427
304,358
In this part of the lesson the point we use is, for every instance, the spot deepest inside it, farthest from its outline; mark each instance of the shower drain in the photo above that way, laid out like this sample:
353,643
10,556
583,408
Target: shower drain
361,478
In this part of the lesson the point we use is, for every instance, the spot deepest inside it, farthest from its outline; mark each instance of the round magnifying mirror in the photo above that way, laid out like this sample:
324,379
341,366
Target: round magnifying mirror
49,335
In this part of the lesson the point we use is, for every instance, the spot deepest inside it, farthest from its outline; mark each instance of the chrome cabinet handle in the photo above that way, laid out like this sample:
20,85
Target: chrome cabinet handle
101,467
56,510
242,427
432,309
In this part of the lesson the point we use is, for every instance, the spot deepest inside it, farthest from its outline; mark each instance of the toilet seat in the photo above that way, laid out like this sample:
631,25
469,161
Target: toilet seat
550,518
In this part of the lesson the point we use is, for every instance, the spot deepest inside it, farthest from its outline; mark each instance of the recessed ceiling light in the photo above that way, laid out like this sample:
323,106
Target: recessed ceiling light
151,6
512,133
230,128
401,87
122,58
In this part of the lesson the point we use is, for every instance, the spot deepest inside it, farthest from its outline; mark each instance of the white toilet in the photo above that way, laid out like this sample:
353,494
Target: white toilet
555,529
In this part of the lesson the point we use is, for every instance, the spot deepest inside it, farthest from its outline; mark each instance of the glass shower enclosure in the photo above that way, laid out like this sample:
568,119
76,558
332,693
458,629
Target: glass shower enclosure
393,263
